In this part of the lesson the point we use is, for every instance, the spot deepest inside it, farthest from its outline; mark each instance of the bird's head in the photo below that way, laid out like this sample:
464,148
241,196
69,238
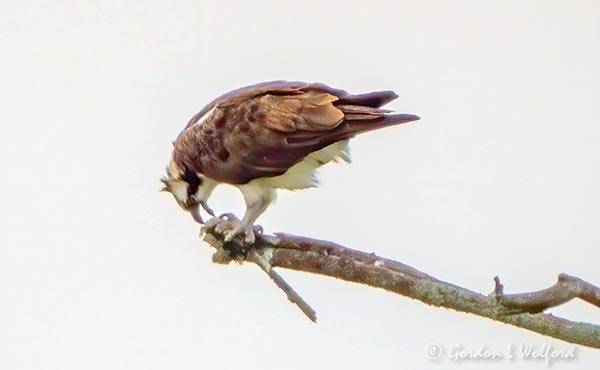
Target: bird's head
190,189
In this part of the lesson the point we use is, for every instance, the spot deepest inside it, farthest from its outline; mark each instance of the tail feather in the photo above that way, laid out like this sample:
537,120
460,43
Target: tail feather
350,128
373,99
362,113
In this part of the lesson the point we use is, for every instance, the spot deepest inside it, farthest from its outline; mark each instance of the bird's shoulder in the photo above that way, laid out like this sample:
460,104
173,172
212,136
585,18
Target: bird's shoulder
279,105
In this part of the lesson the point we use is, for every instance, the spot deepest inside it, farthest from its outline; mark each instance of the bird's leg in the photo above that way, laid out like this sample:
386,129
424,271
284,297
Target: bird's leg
257,200
246,226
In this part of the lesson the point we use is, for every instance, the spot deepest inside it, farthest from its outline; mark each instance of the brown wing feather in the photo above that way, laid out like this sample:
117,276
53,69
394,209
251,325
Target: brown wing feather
263,130
311,110
247,92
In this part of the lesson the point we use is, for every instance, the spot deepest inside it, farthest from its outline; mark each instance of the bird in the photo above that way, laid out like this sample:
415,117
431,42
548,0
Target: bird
269,136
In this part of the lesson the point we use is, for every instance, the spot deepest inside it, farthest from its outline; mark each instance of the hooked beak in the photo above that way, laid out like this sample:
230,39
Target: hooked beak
195,211
207,208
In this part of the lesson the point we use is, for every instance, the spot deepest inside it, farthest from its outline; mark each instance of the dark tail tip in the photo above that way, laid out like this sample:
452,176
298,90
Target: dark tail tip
375,99
403,118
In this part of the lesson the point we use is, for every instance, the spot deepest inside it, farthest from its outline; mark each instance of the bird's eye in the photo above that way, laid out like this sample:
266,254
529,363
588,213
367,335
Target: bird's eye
193,181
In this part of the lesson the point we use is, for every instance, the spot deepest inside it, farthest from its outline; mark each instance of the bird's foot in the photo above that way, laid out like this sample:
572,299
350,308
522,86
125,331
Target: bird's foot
211,224
246,230
230,227
224,225
237,238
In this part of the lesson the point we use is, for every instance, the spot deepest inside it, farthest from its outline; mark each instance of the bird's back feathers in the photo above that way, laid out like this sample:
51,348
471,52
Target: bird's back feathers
263,130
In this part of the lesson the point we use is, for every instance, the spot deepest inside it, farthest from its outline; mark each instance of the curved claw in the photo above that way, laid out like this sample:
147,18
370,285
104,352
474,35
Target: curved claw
247,233
249,236
227,216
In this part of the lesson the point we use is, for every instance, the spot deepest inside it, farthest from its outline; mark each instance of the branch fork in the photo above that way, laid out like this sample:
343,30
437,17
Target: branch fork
326,258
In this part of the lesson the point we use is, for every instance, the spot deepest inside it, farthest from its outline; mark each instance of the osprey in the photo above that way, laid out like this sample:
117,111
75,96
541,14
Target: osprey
269,136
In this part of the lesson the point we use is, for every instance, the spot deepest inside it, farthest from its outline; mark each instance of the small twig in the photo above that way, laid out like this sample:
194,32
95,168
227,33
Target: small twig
227,252
292,295
330,259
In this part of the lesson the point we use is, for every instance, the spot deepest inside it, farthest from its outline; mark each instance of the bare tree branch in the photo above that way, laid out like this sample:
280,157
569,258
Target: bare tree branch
330,259
566,288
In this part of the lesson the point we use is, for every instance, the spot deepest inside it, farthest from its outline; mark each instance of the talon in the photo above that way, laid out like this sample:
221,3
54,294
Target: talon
212,223
250,238
223,228
258,229
247,232
220,228
231,233
227,216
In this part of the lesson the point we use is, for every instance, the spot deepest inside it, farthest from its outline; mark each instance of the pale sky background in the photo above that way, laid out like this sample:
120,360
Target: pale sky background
98,270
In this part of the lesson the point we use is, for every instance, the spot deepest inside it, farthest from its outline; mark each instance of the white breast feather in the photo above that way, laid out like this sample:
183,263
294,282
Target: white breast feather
302,175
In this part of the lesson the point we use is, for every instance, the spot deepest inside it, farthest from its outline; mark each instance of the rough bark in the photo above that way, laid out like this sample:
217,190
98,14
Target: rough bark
330,259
